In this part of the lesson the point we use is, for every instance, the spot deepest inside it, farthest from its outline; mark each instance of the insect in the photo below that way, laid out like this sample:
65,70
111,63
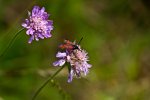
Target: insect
69,46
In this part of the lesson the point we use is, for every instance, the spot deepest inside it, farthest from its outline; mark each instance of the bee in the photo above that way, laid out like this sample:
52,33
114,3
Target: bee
70,46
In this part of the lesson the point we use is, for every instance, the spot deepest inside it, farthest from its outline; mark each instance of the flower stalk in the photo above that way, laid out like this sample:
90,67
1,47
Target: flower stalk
11,42
46,82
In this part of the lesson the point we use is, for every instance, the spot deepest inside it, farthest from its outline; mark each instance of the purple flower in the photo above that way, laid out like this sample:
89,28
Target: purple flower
77,59
38,26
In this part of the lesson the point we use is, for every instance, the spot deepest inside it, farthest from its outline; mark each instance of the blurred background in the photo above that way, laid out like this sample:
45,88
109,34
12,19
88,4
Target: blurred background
116,34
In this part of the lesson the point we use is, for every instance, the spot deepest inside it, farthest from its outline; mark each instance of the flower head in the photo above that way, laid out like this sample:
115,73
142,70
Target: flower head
77,58
38,26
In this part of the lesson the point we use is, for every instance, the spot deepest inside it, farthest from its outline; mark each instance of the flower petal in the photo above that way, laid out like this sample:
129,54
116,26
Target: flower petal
70,77
24,25
59,62
35,10
30,31
42,10
61,55
31,38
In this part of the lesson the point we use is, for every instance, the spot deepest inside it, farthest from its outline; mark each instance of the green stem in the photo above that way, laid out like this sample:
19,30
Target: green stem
46,82
11,42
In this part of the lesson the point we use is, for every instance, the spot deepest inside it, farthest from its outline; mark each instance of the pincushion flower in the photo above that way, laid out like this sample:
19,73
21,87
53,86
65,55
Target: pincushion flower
77,58
38,26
